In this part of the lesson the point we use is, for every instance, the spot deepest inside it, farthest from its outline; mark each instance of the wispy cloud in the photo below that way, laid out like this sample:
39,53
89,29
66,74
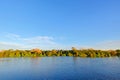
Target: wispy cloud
14,41
18,42
9,45
12,36
111,44
39,40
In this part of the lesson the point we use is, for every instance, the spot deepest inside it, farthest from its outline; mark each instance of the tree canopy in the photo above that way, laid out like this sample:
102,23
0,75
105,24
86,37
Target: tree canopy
74,52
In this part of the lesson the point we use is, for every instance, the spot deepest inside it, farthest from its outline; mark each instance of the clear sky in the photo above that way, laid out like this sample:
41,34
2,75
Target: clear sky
59,24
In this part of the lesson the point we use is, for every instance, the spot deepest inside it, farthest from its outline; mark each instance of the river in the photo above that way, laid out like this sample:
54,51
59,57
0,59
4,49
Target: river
60,68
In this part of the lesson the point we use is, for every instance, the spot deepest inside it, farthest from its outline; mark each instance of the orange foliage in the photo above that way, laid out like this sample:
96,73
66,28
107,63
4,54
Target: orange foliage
36,50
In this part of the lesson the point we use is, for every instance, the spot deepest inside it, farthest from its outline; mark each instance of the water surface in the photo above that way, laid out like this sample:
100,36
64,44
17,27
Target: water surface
60,68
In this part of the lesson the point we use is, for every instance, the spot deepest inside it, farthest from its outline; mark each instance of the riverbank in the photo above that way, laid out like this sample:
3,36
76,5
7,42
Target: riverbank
74,52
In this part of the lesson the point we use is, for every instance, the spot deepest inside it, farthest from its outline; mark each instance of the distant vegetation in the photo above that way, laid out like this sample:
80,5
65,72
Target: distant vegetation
74,52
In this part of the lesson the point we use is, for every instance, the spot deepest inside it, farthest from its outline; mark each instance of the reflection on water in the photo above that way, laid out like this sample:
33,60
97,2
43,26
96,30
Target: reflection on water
60,68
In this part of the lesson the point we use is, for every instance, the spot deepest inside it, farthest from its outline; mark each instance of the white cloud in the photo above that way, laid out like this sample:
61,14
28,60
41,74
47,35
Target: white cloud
9,45
39,40
12,36
113,44
105,45
15,41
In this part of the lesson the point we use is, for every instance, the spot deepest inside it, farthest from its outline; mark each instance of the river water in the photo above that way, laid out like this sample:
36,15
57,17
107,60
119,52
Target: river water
60,68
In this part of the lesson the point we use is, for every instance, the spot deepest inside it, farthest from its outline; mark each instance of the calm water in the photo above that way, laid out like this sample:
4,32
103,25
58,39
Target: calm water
60,68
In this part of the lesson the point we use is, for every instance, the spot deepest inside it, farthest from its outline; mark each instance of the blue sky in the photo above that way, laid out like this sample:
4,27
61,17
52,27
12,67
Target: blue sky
59,24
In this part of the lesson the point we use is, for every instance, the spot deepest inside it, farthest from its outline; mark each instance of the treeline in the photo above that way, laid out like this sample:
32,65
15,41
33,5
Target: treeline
74,52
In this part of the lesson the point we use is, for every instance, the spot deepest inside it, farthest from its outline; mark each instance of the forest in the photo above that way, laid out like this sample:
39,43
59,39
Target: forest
47,53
